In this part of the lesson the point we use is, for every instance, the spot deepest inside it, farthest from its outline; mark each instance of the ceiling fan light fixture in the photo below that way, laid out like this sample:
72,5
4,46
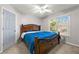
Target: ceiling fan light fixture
41,9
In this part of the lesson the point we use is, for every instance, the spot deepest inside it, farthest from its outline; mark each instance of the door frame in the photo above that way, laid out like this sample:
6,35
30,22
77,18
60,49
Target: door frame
4,8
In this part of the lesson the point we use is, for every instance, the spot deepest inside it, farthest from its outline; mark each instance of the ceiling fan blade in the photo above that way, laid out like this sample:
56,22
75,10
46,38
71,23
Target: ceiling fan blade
37,7
45,6
46,10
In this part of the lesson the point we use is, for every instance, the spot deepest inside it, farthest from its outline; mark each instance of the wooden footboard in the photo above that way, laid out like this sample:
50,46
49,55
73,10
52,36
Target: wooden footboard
47,45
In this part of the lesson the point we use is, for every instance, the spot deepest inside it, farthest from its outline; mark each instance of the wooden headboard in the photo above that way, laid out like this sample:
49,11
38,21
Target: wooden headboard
25,28
33,27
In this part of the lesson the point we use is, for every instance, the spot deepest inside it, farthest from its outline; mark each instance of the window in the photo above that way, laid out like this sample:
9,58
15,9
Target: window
63,24
60,24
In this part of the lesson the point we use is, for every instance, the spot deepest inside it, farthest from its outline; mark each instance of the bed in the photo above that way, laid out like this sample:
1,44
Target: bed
38,42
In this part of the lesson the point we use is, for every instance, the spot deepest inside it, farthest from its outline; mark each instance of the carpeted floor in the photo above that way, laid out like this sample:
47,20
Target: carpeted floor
60,49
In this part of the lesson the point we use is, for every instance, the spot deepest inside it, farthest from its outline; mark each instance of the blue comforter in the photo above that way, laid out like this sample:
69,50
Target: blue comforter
29,38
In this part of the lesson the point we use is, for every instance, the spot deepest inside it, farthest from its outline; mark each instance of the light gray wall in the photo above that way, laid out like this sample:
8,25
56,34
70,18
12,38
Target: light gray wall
74,27
28,19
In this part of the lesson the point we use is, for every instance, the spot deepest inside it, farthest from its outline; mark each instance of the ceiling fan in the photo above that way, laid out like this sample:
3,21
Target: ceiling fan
41,9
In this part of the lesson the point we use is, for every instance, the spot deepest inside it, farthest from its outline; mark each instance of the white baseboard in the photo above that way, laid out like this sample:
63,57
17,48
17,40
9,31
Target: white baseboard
72,44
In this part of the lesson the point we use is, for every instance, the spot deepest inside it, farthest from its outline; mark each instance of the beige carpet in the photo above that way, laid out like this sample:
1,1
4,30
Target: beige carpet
60,49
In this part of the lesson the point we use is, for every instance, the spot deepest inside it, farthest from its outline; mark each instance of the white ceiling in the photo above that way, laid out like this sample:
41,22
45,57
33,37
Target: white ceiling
28,9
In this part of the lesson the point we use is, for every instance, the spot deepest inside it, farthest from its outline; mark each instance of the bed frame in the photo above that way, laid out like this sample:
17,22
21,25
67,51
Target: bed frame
41,47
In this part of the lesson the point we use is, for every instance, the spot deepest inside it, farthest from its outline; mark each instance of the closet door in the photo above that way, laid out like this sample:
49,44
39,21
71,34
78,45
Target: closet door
8,29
